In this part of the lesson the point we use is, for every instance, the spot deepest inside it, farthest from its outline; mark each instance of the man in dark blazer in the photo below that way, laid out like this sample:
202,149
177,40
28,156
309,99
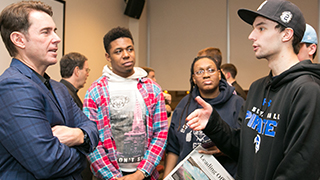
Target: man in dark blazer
43,134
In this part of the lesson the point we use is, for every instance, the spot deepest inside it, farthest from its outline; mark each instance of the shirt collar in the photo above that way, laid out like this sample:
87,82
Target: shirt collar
43,78
67,83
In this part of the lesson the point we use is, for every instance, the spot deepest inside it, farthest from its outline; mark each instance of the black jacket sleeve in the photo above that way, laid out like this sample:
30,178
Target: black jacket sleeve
226,138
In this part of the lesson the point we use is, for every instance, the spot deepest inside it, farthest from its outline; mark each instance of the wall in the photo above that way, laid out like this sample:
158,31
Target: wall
178,30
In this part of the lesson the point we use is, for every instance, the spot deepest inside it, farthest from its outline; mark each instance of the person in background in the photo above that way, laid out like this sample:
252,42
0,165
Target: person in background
43,134
279,136
309,44
230,72
74,70
213,52
151,73
130,113
205,81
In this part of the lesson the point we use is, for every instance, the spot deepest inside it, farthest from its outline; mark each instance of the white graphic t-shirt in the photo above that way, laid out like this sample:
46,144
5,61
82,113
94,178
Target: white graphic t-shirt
128,119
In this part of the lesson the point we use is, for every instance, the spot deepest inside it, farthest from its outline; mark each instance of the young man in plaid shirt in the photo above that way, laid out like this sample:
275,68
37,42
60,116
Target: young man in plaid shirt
130,114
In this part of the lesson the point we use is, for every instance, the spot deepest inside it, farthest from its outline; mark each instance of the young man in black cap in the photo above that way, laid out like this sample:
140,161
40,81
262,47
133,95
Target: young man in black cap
279,136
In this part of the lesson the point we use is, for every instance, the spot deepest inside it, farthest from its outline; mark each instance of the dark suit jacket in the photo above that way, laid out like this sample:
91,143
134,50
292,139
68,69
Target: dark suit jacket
28,149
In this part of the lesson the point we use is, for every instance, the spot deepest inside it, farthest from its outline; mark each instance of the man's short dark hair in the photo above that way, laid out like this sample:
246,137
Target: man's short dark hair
15,17
230,68
115,33
70,61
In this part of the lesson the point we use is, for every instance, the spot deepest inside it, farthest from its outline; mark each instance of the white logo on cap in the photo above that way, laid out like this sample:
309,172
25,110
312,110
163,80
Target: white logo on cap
262,4
286,16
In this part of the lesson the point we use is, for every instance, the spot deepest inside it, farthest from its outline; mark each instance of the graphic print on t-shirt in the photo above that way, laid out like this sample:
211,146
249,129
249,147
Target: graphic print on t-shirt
128,127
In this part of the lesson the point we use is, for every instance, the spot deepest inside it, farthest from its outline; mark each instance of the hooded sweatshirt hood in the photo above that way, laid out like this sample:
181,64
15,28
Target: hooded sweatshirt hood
226,91
273,84
302,68
138,73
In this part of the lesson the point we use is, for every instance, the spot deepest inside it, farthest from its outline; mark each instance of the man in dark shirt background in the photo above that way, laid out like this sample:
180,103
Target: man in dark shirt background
230,72
74,70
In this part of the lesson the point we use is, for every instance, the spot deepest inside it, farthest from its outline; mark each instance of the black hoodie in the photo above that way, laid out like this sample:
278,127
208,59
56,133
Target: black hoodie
279,136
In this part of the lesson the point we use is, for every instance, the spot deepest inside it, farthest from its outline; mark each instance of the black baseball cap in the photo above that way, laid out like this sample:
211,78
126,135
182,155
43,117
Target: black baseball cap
280,11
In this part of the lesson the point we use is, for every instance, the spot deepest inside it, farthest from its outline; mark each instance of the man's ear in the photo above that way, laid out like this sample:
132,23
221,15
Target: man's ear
227,75
288,34
76,71
18,39
312,49
107,57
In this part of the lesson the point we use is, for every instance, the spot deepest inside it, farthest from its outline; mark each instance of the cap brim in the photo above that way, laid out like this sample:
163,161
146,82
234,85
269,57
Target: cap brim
248,16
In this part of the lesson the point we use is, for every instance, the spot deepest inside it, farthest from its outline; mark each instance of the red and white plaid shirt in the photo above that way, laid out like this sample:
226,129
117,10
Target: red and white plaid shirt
96,106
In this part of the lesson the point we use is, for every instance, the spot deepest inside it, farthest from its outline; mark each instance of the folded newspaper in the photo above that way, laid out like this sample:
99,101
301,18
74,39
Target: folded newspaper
198,166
